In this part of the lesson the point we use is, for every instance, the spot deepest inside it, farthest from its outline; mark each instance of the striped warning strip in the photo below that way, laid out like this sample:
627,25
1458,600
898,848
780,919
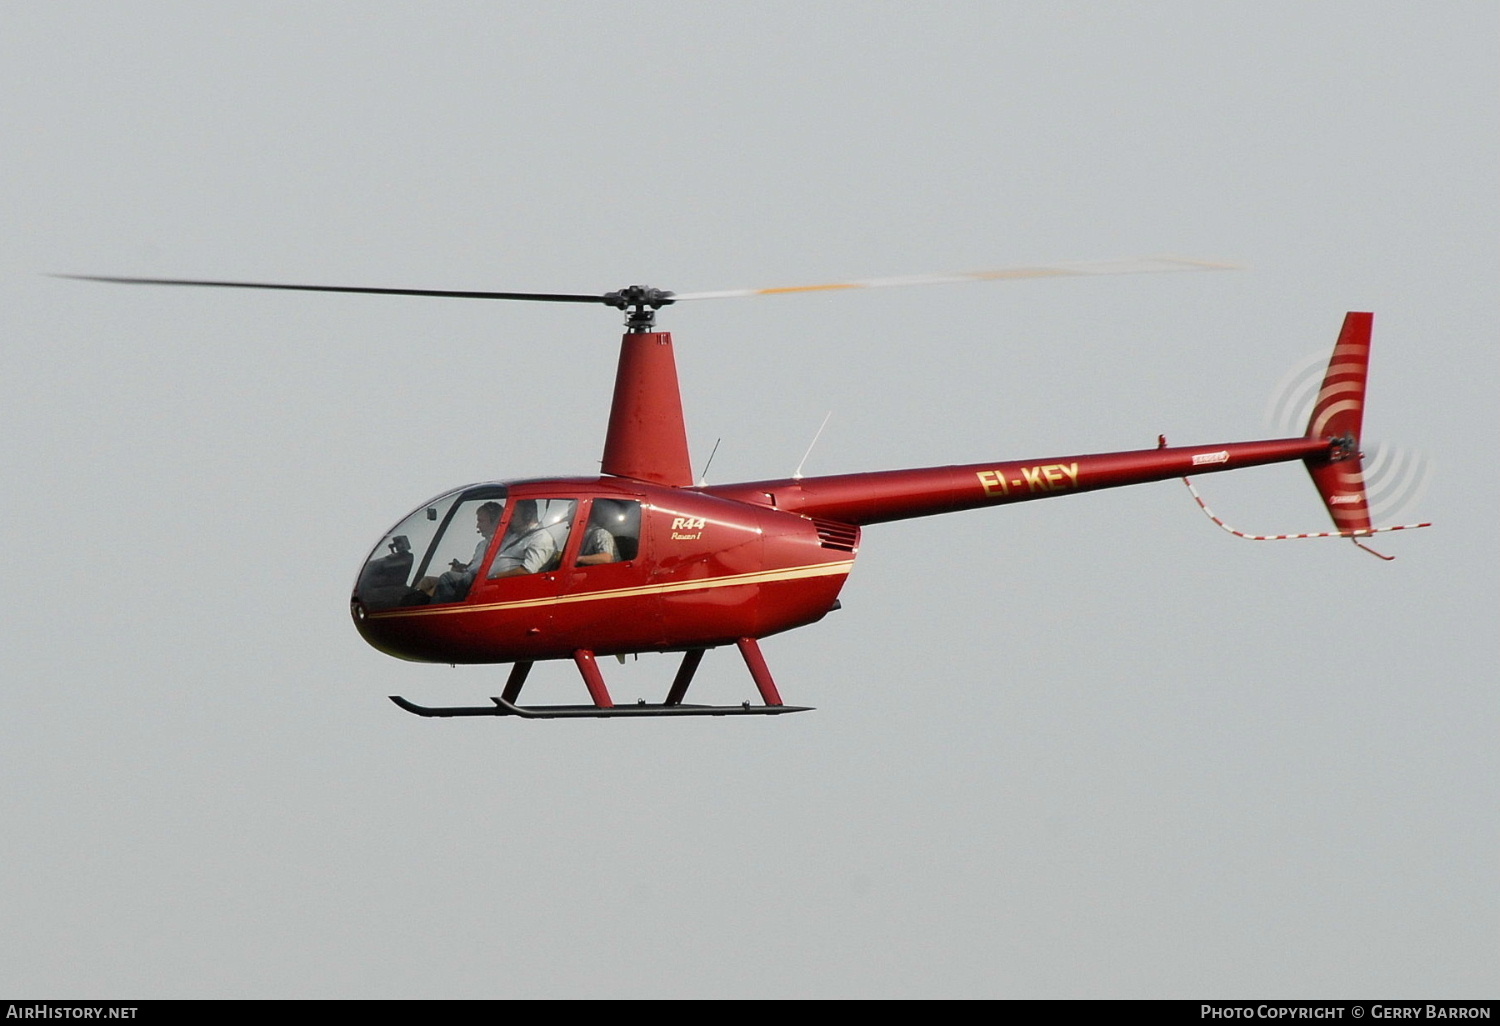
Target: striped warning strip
1356,535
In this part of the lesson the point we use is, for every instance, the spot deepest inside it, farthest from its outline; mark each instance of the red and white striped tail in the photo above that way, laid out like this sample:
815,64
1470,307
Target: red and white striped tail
1338,413
1337,417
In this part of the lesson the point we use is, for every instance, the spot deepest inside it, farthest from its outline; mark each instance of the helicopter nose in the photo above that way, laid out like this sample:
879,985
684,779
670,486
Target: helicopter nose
380,634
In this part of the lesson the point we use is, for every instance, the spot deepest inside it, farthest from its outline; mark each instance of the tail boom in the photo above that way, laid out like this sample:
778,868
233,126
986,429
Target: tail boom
885,496
1329,449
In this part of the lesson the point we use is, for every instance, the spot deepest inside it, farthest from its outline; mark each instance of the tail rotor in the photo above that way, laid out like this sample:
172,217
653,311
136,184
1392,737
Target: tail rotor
1335,406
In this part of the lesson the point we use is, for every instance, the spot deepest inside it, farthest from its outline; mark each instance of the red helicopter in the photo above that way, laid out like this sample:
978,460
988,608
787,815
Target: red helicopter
639,559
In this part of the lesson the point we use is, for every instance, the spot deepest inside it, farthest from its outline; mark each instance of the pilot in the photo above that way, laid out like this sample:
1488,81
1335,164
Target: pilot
454,584
528,546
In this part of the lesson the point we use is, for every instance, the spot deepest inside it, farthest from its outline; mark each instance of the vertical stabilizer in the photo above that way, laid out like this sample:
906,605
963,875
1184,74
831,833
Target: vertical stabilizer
647,439
1338,416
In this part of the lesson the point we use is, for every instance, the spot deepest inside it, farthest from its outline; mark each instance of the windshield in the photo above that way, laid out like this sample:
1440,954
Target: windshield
433,554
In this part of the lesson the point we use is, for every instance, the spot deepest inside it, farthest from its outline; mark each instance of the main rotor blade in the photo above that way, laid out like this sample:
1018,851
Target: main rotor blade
641,297
1145,265
542,297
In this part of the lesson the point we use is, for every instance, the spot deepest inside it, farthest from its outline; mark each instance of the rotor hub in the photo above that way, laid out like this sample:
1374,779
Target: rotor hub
640,303
1344,447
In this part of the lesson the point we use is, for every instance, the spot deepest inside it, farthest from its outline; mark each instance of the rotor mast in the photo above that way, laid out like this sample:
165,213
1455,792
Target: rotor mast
647,437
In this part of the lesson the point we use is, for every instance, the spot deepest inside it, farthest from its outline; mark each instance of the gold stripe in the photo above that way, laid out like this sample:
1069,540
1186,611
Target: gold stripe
758,577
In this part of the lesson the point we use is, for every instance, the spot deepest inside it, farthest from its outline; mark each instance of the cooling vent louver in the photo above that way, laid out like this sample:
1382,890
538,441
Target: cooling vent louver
833,535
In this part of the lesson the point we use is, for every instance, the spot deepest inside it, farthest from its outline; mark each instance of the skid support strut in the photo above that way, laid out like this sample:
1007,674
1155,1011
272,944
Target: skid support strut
592,678
518,674
690,661
750,649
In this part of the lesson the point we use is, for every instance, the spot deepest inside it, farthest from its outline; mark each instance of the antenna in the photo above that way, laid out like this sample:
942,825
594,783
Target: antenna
797,474
703,478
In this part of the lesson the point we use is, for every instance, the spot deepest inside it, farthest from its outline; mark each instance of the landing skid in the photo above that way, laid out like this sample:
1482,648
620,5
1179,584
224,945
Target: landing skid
604,707
554,712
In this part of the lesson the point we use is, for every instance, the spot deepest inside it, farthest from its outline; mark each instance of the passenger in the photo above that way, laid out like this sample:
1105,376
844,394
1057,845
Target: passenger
528,546
454,584
598,543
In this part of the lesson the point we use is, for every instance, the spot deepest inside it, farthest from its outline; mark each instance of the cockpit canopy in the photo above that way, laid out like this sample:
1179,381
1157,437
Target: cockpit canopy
437,553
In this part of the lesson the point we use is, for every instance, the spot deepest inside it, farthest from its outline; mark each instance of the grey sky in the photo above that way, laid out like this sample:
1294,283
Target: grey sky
1091,747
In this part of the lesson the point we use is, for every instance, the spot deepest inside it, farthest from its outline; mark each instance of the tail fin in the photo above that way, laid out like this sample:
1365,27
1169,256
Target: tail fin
1338,468
1338,415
